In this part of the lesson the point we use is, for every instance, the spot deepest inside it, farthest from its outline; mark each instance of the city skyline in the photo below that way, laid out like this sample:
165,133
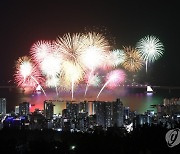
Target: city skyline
86,116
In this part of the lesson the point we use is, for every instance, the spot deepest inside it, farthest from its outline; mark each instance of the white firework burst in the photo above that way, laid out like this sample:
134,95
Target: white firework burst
117,57
150,48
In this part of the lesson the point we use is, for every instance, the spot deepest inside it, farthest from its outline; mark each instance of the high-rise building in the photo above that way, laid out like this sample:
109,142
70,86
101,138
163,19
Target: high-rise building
59,105
99,111
2,105
66,125
169,109
118,113
65,114
24,108
48,109
17,109
83,121
126,113
83,107
92,121
108,114
73,109
141,119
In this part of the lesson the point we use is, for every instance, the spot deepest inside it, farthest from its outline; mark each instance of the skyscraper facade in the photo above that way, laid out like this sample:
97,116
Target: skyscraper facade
3,106
99,110
48,109
73,109
83,107
24,108
108,114
118,113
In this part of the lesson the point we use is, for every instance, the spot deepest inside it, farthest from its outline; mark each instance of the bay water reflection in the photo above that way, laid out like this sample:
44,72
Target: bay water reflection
136,99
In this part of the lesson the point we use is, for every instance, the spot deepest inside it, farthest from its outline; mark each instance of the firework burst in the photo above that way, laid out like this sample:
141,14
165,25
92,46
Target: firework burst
94,55
27,74
71,47
51,65
95,80
40,50
46,56
96,45
72,74
133,61
53,82
116,58
150,49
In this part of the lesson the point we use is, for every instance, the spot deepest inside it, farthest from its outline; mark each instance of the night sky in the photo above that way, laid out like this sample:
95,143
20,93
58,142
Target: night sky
24,23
